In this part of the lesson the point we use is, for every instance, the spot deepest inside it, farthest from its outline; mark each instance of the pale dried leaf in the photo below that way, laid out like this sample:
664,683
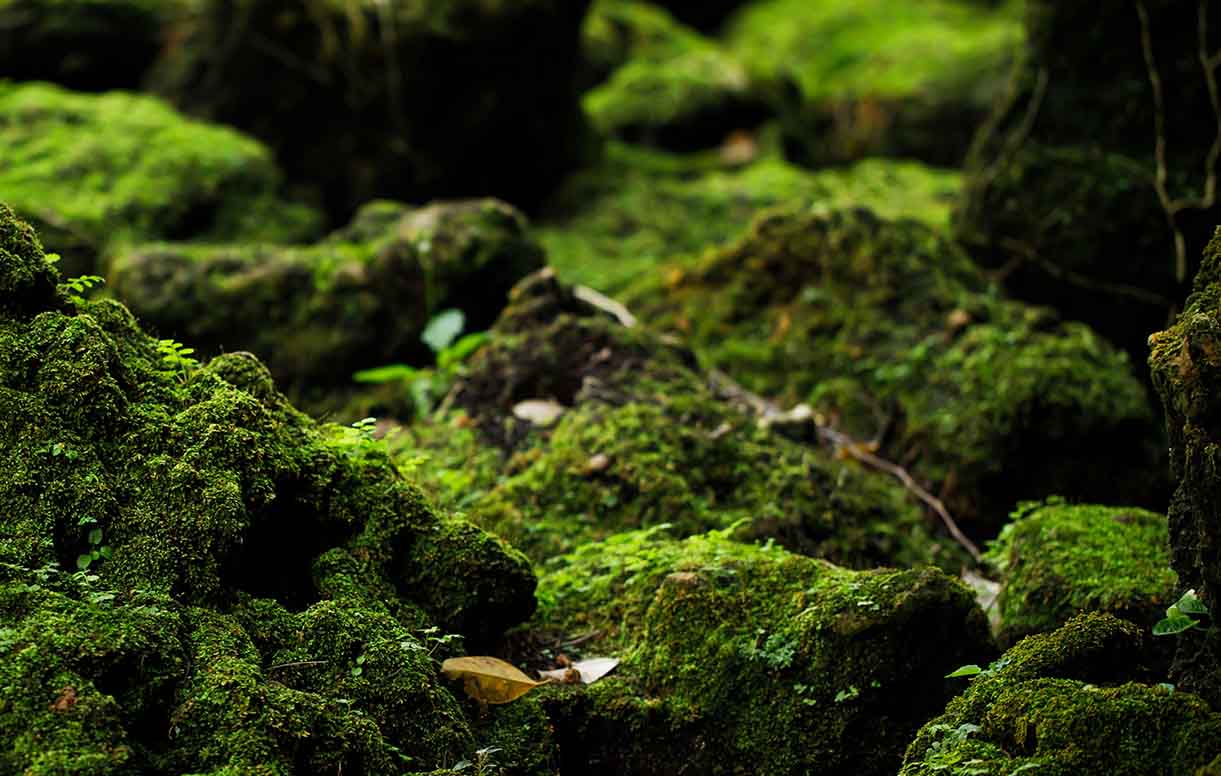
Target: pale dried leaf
489,679
589,671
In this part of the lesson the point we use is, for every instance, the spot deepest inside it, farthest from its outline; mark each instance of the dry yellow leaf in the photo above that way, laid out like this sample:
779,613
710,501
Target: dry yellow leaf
489,679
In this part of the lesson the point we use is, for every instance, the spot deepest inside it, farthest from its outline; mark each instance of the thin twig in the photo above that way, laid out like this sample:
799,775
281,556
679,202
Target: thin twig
579,639
297,664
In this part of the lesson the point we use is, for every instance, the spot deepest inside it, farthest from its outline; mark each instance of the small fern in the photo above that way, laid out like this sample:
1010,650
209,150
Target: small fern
76,287
177,357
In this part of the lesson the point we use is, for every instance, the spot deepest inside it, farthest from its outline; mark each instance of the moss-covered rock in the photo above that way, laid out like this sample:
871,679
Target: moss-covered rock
881,77
1186,365
612,223
95,170
443,98
1064,703
672,86
360,298
1061,179
891,332
1057,560
91,45
739,658
644,439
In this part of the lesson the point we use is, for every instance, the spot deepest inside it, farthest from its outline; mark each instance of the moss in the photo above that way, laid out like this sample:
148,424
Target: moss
881,77
225,534
1058,559
357,299
671,86
613,223
891,332
1060,177
91,171
442,98
737,654
82,44
1061,703
1187,374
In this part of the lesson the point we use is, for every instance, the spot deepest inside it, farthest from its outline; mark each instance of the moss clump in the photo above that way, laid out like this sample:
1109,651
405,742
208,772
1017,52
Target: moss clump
891,331
673,87
645,440
1187,374
1060,179
91,171
224,534
82,44
358,299
882,77
615,222
413,100
1057,559
737,654
1062,703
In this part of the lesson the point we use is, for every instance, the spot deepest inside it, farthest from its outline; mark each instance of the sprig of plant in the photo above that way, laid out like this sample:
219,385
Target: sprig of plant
1181,616
177,358
97,550
76,287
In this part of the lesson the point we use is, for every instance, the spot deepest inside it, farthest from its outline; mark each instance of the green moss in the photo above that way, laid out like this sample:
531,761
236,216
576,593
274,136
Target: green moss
1061,703
1058,559
736,654
889,329
883,76
616,222
91,171
357,299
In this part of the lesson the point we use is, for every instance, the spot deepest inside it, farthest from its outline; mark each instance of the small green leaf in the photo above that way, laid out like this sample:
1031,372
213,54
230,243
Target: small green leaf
1176,623
83,561
967,670
1190,604
443,329
386,374
460,350
105,551
95,536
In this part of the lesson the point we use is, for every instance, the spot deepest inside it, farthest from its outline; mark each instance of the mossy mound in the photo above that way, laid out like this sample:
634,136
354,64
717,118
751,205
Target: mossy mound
444,98
1061,178
1186,365
360,298
612,223
92,45
673,87
882,77
738,657
1057,560
1064,703
645,440
891,332
95,170
256,589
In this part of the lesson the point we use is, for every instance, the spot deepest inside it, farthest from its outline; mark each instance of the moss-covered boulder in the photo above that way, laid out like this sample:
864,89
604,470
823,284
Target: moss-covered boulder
91,45
443,98
609,224
880,77
1066,703
673,87
1057,559
892,333
359,298
739,658
1062,188
1186,365
642,439
95,170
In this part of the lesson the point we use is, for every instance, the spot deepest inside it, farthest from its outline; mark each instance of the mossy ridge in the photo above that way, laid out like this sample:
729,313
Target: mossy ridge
1058,559
667,85
419,100
890,330
91,171
1186,371
644,440
883,77
1065,703
191,476
736,653
357,299
609,225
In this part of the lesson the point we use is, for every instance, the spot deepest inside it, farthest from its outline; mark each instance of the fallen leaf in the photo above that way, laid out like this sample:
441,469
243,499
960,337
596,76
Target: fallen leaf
66,699
596,463
540,412
489,679
588,671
